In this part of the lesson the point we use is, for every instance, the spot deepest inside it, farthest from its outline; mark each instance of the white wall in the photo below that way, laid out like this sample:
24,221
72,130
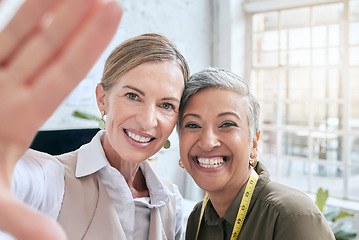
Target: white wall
230,36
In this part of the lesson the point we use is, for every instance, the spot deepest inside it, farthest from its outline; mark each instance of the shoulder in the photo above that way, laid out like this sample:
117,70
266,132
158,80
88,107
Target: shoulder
192,221
195,214
66,157
286,200
296,213
197,207
33,161
38,180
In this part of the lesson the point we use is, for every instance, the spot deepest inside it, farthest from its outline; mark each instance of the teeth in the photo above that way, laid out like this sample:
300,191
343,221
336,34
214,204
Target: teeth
211,162
138,138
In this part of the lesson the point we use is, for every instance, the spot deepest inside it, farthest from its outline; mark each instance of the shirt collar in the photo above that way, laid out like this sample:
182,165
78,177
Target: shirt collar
211,216
159,193
263,180
86,165
93,150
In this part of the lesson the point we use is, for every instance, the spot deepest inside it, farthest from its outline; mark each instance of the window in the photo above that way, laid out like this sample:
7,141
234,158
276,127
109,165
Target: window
305,72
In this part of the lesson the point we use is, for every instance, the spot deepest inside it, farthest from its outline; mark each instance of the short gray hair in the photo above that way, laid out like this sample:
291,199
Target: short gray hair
221,79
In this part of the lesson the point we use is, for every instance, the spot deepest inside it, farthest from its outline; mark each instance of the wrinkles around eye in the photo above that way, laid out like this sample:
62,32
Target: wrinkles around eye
168,106
132,96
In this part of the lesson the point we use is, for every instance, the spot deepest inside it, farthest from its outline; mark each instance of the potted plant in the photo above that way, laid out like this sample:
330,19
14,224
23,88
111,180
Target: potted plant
342,229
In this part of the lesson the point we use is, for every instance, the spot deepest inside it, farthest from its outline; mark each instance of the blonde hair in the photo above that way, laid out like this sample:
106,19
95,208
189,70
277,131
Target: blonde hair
144,48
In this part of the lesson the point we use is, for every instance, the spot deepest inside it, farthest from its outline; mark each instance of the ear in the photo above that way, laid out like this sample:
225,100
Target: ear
258,134
255,144
100,97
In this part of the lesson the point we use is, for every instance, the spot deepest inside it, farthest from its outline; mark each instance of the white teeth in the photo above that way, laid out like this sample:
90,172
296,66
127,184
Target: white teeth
210,162
138,138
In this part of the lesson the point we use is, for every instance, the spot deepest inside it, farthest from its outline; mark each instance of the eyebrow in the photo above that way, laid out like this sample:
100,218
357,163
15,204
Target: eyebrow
135,89
171,99
229,113
219,115
191,115
143,94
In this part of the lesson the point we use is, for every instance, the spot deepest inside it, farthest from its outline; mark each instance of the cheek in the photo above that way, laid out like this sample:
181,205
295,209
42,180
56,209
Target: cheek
182,148
111,119
241,149
185,144
168,124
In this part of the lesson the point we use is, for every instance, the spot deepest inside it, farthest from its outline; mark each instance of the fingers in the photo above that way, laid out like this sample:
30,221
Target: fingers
77,57
22,24
34,103
56,58
25,223
45,45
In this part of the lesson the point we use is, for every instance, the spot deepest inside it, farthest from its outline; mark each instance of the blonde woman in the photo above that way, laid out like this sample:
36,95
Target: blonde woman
107,189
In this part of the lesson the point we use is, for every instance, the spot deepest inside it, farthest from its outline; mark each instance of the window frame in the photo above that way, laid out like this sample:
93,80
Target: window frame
345,132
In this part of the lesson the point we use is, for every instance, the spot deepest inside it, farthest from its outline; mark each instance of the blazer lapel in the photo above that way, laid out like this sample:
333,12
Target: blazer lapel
80,200
87,211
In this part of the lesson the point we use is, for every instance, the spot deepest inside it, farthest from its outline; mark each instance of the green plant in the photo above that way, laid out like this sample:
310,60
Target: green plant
342,229
86,116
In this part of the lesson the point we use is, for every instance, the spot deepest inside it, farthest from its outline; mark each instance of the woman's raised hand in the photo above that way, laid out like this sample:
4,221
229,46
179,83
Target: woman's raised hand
45,51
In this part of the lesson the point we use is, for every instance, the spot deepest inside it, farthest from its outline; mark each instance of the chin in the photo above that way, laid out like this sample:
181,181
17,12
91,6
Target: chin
209,186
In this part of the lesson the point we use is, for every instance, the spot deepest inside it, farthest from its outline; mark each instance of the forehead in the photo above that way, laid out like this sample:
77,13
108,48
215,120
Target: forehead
214,101
152,75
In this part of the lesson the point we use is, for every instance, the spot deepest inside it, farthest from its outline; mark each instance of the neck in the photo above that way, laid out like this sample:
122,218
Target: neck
222,199
129,170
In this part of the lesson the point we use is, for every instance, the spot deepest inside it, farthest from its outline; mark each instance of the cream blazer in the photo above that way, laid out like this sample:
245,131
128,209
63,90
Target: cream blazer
88,213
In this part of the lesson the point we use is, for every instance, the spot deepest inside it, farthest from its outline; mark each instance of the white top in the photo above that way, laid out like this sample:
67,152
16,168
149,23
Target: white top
38,180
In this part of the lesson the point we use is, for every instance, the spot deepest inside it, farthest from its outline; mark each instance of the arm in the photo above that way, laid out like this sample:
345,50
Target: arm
39,182
40,63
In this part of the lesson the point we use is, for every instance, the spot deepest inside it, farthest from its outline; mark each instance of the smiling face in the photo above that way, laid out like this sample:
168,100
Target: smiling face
141,109
215,144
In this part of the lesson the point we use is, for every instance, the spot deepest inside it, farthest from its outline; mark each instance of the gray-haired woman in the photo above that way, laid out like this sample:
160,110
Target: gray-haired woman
219,131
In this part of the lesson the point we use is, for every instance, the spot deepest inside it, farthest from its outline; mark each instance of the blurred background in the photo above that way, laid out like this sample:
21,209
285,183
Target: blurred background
300,59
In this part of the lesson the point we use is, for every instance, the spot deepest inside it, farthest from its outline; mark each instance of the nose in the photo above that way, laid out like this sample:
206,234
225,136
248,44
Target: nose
209,140
147,117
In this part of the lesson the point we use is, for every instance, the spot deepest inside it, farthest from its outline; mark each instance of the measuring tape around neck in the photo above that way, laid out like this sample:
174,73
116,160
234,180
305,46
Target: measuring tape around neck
243,207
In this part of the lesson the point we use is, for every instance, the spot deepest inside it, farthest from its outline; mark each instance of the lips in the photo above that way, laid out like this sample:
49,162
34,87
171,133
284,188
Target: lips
138,138
212,162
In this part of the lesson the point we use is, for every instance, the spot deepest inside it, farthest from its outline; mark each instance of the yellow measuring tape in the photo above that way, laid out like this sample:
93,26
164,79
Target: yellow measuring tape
243,207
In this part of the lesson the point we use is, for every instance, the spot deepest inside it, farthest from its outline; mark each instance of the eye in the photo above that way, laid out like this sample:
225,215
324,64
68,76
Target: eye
132,96
228,124
167,106
192,125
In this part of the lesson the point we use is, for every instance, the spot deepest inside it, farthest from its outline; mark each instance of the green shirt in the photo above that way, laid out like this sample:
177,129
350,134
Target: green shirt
275,212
